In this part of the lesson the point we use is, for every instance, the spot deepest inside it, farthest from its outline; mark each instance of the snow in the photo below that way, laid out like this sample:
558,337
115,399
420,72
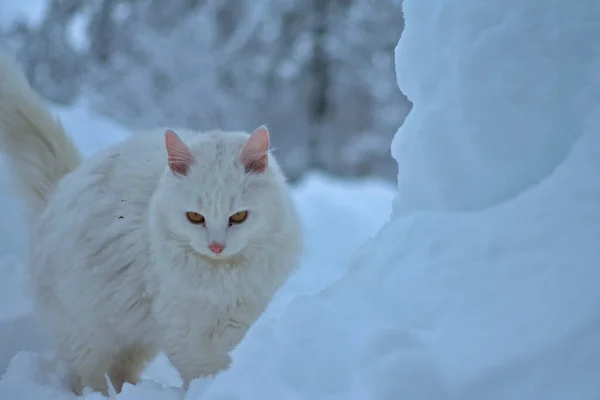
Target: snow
483,283
502,90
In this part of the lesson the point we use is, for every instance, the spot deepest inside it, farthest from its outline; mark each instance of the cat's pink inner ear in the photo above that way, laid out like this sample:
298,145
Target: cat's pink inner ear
255,154
180,157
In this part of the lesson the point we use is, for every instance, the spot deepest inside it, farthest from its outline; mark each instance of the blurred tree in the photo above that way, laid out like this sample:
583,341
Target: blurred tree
320,73
101,31
53,66
319,65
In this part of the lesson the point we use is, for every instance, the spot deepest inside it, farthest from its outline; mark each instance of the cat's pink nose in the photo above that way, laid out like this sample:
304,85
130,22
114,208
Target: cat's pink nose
216,247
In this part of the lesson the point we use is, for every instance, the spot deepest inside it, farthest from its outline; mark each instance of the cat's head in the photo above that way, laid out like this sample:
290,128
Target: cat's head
222,191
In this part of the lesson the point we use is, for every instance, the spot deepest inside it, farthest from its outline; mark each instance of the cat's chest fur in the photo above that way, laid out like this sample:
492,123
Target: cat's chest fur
220,301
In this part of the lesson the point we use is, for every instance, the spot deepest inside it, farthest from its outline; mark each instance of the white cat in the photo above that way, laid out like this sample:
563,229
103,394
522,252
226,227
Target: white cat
159,243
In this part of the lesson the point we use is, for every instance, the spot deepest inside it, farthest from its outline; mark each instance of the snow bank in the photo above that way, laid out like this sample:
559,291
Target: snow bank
496,304
485,285
501,90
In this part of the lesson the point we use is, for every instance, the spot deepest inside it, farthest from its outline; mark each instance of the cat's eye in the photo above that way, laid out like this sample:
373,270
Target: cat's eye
238,217
194,217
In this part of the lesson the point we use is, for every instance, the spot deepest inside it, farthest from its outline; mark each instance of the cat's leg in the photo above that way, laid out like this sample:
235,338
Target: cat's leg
129,365
185,329
82,347
198,362
192,352
89,364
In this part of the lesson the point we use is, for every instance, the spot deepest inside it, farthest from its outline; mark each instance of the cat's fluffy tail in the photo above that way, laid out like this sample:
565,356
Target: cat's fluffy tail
39,150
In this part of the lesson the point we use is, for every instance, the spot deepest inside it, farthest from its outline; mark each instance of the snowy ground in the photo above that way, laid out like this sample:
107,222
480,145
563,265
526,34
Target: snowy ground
338,215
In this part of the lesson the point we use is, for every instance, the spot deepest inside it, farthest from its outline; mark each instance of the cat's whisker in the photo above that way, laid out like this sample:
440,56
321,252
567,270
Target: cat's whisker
260,246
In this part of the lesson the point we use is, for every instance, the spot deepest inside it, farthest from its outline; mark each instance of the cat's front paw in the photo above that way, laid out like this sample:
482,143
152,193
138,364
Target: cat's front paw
209,366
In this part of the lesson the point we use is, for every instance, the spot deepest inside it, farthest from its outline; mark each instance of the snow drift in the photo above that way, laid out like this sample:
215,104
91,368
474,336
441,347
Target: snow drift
485,284
501,91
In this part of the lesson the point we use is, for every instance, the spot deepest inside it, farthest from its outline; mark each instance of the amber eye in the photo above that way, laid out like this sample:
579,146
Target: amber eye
238,217
194,217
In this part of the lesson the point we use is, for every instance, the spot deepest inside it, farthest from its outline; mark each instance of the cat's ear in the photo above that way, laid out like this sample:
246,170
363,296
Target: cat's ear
180,157
255,153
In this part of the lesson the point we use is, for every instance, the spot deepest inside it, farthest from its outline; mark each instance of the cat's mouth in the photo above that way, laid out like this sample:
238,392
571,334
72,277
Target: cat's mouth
216,256
224,255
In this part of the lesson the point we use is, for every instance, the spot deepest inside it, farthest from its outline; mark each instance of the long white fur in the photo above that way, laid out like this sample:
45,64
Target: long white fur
41,152
118,272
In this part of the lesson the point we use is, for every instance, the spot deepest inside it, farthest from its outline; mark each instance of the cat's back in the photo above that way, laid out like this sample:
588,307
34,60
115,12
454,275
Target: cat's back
90,245
132,166
115,182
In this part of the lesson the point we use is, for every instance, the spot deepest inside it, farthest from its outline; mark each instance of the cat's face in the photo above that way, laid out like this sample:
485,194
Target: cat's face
222,195
220,215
